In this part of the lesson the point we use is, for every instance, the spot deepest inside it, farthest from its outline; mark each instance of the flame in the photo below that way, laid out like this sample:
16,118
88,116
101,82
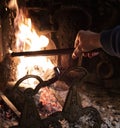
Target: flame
27,39
13,4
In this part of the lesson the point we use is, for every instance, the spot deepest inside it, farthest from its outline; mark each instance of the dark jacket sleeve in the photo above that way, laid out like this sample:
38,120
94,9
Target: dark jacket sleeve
110,41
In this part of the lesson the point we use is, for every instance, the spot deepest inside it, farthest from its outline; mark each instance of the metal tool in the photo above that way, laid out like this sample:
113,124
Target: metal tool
50,52
43,52
72,109
30,116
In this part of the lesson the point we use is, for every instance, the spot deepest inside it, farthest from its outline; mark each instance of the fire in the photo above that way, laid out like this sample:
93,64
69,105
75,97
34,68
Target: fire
27,39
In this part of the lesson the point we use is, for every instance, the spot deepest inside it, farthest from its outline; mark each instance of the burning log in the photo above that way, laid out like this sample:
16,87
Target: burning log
43,52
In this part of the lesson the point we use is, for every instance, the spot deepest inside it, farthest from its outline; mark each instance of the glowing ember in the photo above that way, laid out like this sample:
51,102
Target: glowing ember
49,102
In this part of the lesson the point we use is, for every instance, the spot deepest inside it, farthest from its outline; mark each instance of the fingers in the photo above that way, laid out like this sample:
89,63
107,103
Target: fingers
77,41
90,54
76,53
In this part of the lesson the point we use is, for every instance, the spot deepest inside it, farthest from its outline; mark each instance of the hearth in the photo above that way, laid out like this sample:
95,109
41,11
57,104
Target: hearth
57,91
72,111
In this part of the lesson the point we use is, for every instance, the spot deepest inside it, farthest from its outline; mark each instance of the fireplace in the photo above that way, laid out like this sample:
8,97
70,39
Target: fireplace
83,89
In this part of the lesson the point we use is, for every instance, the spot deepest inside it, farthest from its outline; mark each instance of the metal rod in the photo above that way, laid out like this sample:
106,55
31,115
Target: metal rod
43,52
50,52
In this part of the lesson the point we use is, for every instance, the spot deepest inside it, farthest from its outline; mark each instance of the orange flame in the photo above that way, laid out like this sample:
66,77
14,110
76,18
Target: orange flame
27,39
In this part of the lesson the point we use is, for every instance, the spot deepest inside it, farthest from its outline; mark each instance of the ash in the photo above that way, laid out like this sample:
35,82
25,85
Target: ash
83,122
109,111
7,116
108,107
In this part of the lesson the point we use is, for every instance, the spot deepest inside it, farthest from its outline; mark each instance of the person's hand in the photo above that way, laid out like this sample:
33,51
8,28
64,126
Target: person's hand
85,42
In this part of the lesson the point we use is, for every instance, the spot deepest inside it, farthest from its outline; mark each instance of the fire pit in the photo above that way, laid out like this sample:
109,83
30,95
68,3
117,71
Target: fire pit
36,38
72,111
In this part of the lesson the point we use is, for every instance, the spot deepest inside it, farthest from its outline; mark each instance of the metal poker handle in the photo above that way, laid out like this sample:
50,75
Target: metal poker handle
48,52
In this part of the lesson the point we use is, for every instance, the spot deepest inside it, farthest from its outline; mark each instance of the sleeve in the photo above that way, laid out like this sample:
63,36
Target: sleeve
110,40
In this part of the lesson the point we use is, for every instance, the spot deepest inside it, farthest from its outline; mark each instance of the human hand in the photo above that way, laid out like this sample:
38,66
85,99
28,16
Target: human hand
85,44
